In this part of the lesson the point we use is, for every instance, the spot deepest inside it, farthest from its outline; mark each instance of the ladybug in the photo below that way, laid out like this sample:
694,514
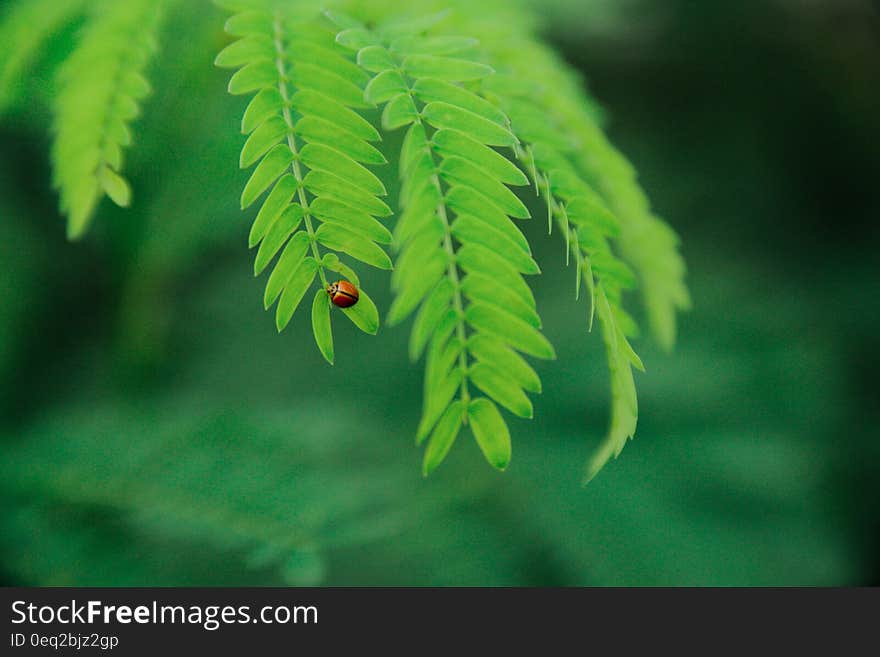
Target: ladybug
343,294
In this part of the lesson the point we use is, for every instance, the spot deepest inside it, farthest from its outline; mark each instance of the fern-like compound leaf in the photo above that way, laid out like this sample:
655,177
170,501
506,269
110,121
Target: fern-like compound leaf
311,152
100,88
461,256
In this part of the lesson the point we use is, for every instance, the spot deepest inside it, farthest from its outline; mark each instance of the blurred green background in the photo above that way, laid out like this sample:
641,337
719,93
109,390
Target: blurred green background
156,430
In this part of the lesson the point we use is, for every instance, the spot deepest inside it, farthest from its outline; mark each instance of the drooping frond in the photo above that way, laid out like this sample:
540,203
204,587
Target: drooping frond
586,223
588,226
99,92
312,149
462,257
552,96
25,27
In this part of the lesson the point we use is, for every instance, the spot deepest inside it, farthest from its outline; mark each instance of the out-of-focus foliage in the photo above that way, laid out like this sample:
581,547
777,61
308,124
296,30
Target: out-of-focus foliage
155,429
26,26
99,91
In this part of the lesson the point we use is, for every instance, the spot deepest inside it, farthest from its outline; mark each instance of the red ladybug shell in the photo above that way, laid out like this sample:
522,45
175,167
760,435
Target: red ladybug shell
343,294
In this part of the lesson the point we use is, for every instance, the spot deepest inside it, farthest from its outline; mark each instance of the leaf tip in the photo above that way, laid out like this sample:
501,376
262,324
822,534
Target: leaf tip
74,233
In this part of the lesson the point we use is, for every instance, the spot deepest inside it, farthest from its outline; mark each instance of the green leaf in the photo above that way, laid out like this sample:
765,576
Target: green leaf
445,68
624,405
276,202
429,316
532,126
329,60
363,314
321,324
270,169
356,38
317,78
136,85
466,201
384,87
399,111
248,23
294,289
323,158
287,223
444,353
567,185
375,59
437,400
290,259
79,203
421,173
448,143
285,270
491,432
593,211
314,103
517,333
501,389
425,246
414,289
321,183
116,187
458,170
244,51
430,90
253,77
416,24
607,267
474,258
332,262
440,45
479,287
118,131
509,363
342,20
317,130
443,115
443,437
266,104
337,238
334,212
420,216
270,132
447,326
420,179
469,230
414,148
